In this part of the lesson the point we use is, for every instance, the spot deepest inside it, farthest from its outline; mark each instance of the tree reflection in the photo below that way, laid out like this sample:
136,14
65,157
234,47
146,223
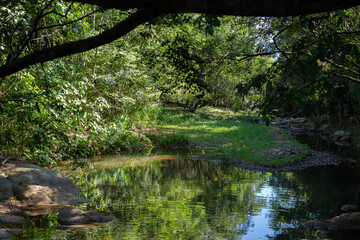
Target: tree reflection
175,198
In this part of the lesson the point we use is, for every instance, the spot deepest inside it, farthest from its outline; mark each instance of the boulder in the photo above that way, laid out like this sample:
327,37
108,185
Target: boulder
75,216
298,130
323,128
8,219
345,138
338,135
29,174
345,221
350,208
35,185
34,195
6,188
41,210
6,233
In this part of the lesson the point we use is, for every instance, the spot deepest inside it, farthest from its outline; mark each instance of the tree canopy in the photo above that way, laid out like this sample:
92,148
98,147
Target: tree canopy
79,77
18,59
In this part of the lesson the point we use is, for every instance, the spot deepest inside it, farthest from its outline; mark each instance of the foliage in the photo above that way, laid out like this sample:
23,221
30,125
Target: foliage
93,102
193,66
317,72
77,106
170,141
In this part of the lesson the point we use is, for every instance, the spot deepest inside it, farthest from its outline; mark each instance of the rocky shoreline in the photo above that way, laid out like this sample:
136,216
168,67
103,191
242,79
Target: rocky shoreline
29,190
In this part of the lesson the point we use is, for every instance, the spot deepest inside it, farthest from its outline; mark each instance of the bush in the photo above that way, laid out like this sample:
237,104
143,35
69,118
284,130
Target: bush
171,141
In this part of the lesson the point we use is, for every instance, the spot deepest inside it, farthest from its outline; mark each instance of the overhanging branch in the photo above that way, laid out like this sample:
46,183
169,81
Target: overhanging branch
246,56
276,8
70,48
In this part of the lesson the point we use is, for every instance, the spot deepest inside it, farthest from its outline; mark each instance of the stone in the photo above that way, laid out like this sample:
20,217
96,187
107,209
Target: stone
6,188
5,233
350,208
345,221
345,138
35,185
29,174
8,219
75,216
41,210
298,131
340,133
323,128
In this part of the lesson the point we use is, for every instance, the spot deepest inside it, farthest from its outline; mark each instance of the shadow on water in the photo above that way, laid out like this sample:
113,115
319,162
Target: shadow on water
320,143
174,197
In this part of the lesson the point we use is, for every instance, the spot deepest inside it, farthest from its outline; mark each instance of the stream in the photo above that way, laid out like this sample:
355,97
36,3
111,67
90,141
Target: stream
173,197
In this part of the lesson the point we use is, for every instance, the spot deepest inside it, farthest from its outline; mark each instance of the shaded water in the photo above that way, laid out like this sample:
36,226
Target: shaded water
171,197
319,143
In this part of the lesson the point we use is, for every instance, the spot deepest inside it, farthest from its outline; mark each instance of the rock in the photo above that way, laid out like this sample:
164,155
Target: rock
310,126
34,195
41,210
35,185
6,233
8,219
345,221
339,133
29,174
6,188
75,216
323,128
350,208
300,131
345,138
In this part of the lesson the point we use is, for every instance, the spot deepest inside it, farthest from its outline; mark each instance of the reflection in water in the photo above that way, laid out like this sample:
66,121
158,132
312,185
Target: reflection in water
320,143
170,197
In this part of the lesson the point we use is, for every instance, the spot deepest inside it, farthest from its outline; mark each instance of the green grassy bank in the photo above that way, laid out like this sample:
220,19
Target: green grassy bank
222,135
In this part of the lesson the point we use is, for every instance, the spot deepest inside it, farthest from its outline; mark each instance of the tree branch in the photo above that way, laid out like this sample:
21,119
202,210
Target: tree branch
356,80
67,23
343,67
246,56
276,8
70,48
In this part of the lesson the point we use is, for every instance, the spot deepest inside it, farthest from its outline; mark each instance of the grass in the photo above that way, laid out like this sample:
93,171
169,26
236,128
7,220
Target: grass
232,139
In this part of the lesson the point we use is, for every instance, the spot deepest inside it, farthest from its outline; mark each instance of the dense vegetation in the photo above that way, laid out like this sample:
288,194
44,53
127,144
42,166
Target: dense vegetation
97,101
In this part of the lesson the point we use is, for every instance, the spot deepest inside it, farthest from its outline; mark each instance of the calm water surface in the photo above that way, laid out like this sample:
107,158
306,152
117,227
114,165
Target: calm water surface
171,197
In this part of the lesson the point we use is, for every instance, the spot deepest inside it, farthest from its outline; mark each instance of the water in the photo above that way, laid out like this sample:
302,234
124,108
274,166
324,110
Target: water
326,145
172,197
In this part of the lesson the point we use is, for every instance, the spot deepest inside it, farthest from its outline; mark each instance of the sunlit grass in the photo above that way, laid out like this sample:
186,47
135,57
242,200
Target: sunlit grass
232,140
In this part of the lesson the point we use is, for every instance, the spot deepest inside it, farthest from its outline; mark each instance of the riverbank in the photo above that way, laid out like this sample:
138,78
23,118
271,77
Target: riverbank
238,141
233,140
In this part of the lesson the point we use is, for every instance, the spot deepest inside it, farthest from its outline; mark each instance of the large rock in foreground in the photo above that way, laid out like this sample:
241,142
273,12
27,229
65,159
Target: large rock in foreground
34,186
345,222
75,216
